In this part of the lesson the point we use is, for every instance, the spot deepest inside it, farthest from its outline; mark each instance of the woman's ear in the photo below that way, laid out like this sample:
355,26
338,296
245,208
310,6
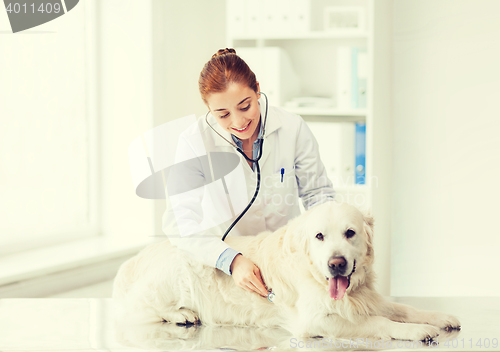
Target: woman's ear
258,90
208,107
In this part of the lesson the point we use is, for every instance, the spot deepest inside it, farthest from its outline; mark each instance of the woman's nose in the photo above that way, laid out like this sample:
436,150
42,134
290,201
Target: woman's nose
239,121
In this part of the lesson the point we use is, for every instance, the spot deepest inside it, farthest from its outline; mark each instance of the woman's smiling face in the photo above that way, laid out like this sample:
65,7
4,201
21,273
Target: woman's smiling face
237,110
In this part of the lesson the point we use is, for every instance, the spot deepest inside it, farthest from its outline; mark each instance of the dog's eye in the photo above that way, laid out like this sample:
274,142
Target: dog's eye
319,236
349,233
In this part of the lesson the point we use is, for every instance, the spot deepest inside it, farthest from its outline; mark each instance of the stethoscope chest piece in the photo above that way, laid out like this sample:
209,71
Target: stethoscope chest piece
270,296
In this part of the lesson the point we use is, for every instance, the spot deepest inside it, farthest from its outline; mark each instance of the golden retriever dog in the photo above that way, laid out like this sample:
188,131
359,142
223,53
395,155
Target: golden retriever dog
319,267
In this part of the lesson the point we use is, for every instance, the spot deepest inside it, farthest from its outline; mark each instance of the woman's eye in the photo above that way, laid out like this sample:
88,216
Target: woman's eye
246,108
224,116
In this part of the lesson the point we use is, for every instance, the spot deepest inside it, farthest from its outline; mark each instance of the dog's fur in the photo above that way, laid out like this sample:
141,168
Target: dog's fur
162,284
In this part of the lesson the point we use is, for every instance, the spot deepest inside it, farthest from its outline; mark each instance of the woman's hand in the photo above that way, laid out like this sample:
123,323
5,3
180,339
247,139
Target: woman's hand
247,275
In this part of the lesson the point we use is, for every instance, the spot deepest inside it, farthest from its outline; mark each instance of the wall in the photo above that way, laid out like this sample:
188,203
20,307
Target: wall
45,191
185,35
446,84
151,57
125,111
379,135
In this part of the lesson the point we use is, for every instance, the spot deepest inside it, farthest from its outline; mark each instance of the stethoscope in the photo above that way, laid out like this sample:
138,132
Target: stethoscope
270,294
256,161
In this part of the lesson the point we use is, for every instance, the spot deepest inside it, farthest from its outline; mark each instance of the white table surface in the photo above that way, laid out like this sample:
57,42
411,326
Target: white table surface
67,324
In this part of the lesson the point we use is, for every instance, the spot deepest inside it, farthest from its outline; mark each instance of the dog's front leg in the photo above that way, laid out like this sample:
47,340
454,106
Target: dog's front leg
407,314
309,319
367,327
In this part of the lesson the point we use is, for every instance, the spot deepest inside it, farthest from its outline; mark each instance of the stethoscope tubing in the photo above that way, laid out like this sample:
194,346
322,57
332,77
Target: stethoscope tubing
256,161
253,199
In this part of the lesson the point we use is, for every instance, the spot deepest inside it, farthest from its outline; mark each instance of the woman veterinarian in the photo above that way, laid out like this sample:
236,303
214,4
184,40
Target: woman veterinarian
290,167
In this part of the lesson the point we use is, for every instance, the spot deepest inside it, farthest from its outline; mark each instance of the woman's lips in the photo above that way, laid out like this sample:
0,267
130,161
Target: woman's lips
246,128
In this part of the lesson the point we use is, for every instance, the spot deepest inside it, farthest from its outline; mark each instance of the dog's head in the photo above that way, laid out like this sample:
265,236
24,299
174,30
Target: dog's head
337,238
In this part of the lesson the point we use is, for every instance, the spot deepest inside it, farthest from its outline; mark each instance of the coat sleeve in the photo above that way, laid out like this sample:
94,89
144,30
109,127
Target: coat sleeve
204,246
314,186
184,213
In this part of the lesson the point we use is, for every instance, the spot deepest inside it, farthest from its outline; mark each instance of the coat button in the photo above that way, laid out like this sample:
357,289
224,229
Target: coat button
258,213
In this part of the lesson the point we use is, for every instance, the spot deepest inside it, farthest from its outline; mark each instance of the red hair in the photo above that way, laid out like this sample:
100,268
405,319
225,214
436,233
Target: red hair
224,67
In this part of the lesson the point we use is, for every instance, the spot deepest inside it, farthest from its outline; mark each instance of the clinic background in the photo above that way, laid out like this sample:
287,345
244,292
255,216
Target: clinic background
76,91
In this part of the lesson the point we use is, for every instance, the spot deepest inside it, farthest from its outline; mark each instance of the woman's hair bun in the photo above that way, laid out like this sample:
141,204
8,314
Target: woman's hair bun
224,68
224,52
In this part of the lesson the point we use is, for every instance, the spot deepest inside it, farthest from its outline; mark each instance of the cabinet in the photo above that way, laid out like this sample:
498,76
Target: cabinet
312,51
295,48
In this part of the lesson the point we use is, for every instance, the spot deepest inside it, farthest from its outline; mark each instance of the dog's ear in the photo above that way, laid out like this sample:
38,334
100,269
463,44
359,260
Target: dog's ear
368,223
295,239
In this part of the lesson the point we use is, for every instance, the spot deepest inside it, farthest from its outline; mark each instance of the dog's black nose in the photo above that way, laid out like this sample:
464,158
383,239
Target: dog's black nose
337,265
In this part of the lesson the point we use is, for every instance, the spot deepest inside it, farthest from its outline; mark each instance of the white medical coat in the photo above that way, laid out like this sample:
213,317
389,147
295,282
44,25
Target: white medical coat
288,144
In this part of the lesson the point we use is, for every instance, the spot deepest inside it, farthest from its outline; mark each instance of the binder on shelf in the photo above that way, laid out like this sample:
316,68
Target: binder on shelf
344,79
286,17
360,153
352,75
270,17
359,71
236,17
362,75
300,11
254,18
348,153
274,71
342,151
277,17
328,135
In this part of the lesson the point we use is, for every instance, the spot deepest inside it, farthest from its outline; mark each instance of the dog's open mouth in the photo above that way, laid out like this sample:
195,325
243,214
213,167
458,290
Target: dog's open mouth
339,284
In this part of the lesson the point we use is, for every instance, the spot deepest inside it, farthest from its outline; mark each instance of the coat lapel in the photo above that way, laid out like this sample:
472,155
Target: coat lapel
272,124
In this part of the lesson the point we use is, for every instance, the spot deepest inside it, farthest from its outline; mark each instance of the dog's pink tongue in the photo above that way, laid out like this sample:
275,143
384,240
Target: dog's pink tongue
337,287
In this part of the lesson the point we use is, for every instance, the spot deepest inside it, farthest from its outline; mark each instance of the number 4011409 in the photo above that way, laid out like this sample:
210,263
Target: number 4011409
471,343
26,8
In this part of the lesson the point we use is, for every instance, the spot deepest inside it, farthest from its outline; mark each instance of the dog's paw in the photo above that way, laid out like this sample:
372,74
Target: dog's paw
415,332
445,321
182,316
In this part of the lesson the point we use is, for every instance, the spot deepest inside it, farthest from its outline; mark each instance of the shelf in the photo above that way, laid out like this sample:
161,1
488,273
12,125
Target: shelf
353,189
327,112
357,195
307,35
329,115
